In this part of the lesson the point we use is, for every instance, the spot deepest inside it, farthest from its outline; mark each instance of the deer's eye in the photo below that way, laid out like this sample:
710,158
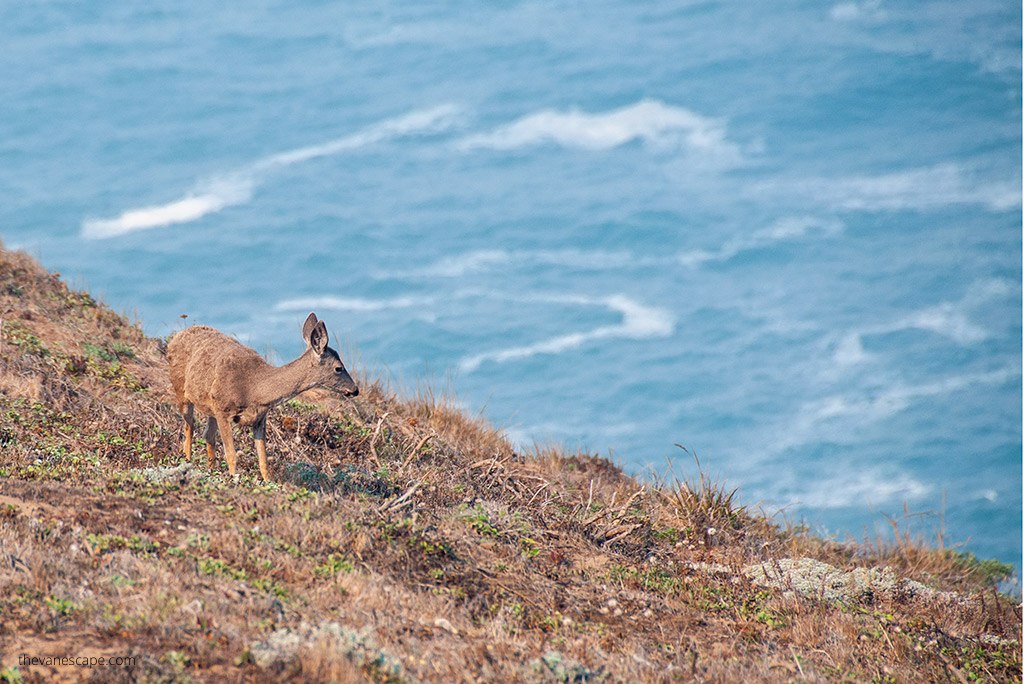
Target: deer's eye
339,370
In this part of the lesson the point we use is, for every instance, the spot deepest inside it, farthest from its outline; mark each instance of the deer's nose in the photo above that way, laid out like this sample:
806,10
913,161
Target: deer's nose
354,392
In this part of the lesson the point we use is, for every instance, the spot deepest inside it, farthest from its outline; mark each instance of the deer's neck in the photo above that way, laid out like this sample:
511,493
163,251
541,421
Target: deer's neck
280,383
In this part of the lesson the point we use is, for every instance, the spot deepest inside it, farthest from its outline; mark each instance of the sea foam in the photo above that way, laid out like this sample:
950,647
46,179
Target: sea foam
332,303
785,229
844,414
922,189
857,486
650,121
951,319
483,260
237,187
209,198
638,322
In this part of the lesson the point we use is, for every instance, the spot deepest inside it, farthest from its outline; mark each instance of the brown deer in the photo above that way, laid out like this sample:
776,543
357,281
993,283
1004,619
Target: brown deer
231,383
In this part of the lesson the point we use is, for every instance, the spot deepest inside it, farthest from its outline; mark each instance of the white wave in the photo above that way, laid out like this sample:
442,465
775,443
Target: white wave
235,188
949,319
432,120
478,261
850,351
990,495
219,194
789,228
638,322
947,32
332,303
900,397
982,291
841,418
650,121
946,319
472,262
923,189
860,487
870,10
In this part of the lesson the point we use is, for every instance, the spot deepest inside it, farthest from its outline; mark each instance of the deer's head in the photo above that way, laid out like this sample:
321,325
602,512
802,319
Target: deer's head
328,370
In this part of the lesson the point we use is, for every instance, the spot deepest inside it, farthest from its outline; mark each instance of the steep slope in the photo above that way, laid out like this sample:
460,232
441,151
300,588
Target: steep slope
408,542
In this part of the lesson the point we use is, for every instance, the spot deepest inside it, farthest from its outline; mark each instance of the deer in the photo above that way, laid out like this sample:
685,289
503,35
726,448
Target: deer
231,383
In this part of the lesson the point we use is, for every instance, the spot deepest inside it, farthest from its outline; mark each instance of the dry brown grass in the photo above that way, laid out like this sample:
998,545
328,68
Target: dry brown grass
408,542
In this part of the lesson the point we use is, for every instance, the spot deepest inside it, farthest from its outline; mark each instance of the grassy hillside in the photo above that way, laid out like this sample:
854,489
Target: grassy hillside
405,541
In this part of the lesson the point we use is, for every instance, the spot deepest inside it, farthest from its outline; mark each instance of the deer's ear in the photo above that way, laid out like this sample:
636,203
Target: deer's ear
318,338
307,327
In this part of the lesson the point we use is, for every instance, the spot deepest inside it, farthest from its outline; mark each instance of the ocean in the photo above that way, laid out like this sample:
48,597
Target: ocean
784,236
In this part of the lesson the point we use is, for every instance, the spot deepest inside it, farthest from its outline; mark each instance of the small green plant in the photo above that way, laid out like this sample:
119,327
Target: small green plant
336,563
11,675
177,660
215,566
479,522
987,571
299,495
60,606
302,406
121,581
529,547
197,541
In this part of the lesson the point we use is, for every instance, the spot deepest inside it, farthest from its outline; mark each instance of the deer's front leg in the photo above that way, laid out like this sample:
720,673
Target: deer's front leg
259,432
224,422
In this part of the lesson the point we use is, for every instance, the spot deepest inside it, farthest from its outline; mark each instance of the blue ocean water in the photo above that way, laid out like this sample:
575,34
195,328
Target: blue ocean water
786,236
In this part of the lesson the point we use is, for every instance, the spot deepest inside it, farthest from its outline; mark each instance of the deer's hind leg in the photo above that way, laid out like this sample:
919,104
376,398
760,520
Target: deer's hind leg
187,412
211,439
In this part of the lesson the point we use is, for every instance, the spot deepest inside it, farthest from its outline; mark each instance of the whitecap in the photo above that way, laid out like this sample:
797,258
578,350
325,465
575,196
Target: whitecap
433,120
839,418
858,11
984,290
850,351
899,397
237,187
220,193
459,265
989,495
333,303
948,320
923,189
856,488
649,121
477,261
638,322
783,230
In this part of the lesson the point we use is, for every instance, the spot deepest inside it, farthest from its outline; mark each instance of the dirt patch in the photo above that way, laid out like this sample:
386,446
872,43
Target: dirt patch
27,507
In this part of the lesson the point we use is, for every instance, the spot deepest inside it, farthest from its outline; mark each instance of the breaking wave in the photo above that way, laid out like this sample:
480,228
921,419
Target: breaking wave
638,322
649,121
785,229
235,188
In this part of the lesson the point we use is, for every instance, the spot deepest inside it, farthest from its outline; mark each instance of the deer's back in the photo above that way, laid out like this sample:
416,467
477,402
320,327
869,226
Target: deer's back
210,369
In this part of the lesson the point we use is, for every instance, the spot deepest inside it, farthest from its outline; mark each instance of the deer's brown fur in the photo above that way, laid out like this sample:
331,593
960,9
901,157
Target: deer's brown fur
231,383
